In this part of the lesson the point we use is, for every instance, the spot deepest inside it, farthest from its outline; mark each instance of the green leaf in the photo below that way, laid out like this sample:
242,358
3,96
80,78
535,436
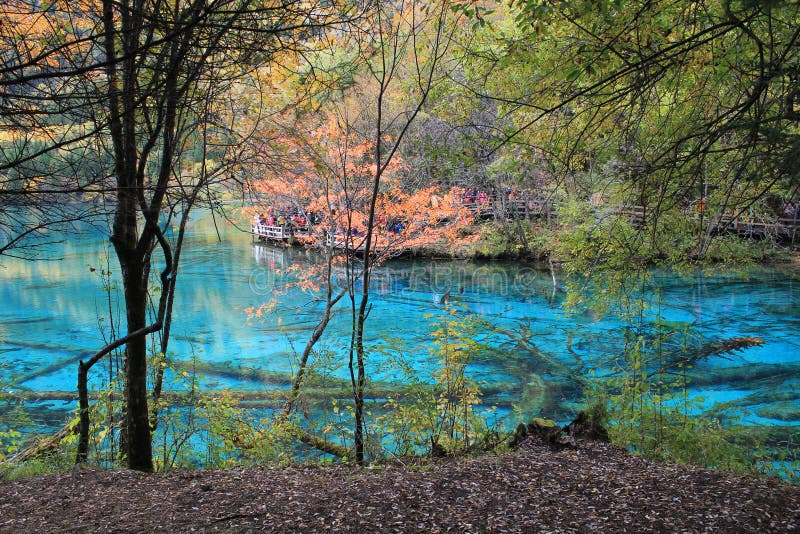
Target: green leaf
572,73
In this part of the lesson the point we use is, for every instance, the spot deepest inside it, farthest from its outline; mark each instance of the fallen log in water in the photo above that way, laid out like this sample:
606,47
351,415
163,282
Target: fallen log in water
779,437
717,348
41,446
785,411
686,357
269,398
752,373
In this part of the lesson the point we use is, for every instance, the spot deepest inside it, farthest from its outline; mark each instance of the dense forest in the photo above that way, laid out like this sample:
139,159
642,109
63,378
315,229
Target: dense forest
600,136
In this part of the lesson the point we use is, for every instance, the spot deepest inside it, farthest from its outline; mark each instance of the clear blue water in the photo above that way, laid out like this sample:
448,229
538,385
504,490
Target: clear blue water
55,311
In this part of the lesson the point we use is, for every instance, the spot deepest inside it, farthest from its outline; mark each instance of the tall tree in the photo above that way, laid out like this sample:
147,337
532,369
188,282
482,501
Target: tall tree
188,47
149,78
372,86
652,103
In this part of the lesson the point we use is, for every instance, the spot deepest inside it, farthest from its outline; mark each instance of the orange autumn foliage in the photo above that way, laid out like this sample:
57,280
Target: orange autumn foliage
329,172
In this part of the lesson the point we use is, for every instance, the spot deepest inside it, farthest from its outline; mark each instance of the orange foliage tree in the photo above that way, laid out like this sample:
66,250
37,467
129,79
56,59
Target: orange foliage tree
345,171
326,175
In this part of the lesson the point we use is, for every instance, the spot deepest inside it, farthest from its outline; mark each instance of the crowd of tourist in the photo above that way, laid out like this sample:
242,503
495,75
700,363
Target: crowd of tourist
475,196
299,222
287,219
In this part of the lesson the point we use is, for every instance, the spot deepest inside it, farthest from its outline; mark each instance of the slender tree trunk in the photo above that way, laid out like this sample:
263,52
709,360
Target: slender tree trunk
83,403
140,448
134,258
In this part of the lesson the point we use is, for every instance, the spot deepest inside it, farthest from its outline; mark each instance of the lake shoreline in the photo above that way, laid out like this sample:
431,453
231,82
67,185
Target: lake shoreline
514,253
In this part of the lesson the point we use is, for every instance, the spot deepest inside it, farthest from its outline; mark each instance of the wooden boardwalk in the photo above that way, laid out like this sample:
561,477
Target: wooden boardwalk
271,233
543,209
540,208
356,243
341,242
783,228
780,228
530,207
283,233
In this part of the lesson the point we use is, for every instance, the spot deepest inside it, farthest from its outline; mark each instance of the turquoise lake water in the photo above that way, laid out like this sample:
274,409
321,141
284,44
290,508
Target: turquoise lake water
54,311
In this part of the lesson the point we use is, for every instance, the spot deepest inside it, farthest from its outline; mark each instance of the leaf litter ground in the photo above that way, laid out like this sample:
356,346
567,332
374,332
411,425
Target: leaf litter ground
592,487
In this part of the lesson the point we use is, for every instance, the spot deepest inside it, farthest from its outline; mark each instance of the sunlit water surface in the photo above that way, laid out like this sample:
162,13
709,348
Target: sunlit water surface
55,311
